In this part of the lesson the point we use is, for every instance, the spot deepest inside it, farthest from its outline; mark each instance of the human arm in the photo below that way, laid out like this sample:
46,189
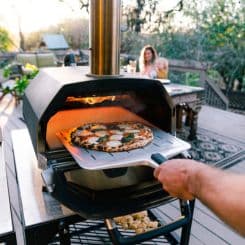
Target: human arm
222,192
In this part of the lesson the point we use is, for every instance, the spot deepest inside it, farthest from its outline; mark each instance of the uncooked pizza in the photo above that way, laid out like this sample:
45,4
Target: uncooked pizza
112,137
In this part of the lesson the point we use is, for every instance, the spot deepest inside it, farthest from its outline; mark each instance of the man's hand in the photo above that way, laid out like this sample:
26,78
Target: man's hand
221,191
178,177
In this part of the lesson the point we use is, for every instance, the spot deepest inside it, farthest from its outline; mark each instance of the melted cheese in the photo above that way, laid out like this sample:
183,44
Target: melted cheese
132,131
125,126
116,137
93,140
114,131
101,133
113,143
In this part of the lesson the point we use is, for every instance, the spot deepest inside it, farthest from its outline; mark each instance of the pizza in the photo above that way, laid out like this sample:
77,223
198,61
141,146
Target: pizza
112,137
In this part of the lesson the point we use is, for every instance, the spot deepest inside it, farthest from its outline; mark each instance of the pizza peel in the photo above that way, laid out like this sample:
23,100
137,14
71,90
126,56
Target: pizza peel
163,147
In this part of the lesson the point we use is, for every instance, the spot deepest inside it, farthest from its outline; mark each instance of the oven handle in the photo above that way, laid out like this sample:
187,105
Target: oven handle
118,238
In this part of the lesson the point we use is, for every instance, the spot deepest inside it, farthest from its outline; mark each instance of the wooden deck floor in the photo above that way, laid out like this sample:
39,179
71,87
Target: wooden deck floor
206,228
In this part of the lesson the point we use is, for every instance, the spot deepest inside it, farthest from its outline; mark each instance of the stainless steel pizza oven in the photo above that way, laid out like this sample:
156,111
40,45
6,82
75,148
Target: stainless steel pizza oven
67,97
62,98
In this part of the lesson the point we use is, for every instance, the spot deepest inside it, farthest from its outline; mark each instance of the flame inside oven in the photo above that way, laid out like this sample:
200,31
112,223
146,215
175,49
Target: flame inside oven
127,100
90,100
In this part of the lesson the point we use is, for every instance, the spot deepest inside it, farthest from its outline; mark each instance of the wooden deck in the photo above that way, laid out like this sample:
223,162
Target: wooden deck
206,228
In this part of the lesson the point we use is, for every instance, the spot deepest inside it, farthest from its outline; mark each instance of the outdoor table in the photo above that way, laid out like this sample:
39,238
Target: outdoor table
188,99
7,234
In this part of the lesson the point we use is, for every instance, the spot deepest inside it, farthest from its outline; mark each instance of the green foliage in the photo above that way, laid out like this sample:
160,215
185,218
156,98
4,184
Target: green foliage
220,35
192,79
5,40
19,87
17,90
185,78
6,71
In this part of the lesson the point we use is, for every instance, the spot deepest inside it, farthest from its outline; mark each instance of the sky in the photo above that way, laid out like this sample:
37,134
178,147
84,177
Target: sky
36,14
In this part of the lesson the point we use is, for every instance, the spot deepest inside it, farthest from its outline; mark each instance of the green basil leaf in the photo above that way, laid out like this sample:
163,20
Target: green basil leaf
127,138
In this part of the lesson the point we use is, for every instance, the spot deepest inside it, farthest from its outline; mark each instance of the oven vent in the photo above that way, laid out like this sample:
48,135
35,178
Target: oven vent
105,37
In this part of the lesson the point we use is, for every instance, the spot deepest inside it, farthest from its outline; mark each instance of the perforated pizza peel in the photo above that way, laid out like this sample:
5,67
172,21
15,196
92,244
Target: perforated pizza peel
163,146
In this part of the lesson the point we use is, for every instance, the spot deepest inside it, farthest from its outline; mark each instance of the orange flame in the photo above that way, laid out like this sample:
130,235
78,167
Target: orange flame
90,100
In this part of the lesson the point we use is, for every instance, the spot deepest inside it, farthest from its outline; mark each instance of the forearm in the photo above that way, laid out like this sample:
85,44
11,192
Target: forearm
223,193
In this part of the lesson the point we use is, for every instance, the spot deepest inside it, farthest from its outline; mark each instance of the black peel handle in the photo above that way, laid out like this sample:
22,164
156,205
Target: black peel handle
158,158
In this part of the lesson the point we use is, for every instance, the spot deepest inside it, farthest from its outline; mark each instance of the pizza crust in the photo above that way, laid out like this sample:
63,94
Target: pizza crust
112,137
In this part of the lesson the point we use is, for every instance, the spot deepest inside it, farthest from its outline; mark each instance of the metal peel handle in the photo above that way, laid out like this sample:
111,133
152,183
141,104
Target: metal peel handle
158,158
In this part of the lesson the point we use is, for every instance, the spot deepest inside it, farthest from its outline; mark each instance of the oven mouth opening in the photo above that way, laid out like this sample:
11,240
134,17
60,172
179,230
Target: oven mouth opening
69,119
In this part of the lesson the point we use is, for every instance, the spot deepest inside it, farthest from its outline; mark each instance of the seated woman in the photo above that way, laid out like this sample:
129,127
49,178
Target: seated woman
147,61
151,65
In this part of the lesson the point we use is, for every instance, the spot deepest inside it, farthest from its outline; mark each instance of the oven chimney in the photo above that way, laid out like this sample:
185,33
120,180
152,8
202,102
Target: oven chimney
105,37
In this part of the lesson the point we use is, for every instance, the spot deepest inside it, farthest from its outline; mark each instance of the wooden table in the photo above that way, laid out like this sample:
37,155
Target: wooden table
188,101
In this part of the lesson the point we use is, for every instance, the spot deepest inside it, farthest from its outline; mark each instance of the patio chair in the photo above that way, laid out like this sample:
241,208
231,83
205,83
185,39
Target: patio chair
38,59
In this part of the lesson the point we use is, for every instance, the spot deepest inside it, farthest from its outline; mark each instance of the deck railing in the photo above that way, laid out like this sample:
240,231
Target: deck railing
213,94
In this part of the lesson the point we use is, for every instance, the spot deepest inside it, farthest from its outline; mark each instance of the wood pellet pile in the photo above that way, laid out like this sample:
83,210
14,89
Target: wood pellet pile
139,222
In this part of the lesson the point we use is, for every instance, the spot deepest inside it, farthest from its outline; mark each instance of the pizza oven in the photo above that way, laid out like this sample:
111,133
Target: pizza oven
63,98
66,97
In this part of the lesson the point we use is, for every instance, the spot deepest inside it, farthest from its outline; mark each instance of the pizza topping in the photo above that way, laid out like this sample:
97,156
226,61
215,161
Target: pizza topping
129,137
101,133
113,127
112,137
114,143
103,139
116,137
93,140
125,126
83,133
116,132
132,131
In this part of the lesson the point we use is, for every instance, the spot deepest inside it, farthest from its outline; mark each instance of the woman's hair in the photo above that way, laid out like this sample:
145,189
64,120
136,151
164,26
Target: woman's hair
142,61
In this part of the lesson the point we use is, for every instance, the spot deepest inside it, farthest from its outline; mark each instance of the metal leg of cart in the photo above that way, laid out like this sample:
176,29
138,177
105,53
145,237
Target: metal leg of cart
186,230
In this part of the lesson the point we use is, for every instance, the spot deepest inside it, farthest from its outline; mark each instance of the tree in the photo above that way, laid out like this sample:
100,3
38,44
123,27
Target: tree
226,34
221,25
142,14
5,40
